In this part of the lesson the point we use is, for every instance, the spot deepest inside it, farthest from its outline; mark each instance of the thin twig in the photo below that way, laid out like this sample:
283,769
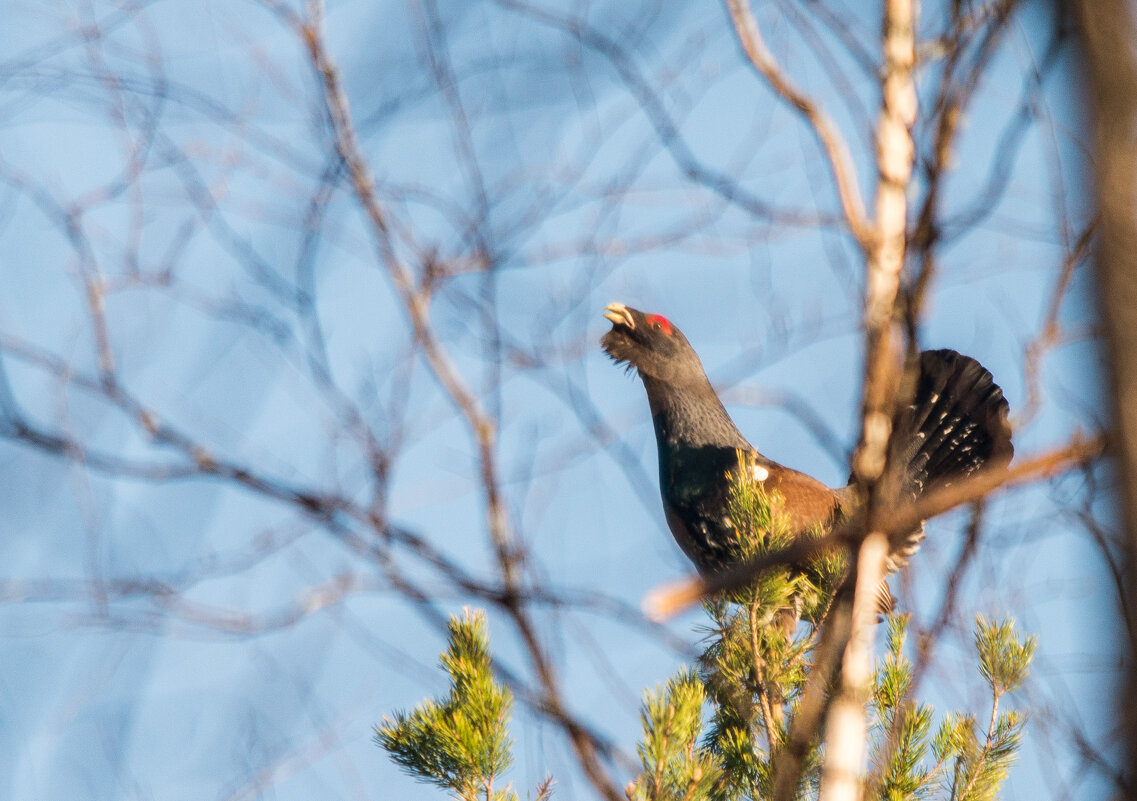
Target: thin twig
760,682
832,143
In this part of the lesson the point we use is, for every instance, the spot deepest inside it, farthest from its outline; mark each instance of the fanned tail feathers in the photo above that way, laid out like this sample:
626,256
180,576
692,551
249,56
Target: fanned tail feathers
957,423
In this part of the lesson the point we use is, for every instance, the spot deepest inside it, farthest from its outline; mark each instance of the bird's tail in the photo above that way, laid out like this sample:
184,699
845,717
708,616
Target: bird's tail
957,423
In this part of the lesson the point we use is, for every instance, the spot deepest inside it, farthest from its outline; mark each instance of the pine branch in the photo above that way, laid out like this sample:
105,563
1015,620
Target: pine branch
674,767
461,742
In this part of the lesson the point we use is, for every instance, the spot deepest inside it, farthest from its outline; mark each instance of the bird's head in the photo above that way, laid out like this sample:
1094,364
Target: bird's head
650,344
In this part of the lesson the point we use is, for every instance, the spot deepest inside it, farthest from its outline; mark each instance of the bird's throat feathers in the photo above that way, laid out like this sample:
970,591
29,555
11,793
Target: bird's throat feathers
690,414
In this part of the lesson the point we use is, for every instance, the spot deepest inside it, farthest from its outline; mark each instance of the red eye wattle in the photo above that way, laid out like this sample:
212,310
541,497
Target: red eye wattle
659,323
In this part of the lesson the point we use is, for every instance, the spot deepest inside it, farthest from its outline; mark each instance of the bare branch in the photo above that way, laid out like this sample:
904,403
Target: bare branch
832,143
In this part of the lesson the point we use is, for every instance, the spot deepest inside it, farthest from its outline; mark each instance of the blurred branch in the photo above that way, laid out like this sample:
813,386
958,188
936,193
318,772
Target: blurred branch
416,306
1015,134
667,129
1109,31
415,303
952,99
832,143
846,729
1049,334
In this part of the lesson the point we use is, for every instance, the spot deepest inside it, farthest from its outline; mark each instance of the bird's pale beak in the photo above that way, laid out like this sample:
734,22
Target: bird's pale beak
618,314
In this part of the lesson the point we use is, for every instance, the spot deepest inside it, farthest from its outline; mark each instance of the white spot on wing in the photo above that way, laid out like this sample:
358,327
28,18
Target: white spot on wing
759,473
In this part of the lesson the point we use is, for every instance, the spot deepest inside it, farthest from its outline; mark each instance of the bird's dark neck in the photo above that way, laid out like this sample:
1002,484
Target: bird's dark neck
690,414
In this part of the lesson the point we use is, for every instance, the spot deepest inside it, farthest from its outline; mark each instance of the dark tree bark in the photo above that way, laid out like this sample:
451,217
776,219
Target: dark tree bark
1109,29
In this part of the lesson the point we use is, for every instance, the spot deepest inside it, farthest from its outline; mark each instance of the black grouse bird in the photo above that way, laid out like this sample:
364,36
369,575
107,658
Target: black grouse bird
956,424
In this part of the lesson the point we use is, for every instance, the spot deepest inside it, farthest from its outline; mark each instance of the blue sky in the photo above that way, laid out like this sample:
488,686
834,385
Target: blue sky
191,140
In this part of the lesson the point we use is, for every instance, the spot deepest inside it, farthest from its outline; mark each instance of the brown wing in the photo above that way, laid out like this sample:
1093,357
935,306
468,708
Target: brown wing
805,500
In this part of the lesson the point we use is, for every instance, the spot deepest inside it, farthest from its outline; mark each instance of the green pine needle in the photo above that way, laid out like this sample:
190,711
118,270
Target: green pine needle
460,743
1004,659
